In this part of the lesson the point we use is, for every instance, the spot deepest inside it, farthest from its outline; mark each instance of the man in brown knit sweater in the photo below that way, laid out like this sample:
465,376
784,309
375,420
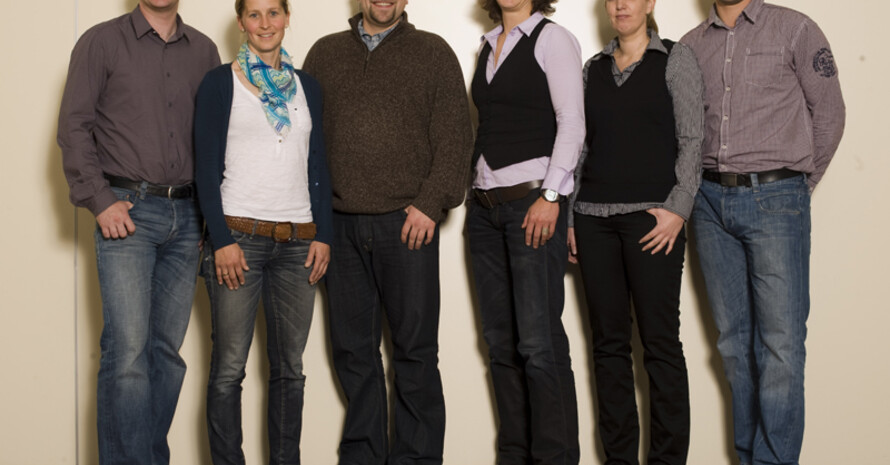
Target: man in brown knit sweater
399,142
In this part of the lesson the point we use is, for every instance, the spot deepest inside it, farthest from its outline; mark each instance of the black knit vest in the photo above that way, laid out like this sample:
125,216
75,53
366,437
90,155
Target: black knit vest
631,136
516,119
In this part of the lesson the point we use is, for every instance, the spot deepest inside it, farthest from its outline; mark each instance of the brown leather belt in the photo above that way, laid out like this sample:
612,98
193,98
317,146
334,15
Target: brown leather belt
493,197
278,231
739,180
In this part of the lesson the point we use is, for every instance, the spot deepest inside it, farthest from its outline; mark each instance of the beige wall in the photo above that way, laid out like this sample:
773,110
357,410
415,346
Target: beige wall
50,315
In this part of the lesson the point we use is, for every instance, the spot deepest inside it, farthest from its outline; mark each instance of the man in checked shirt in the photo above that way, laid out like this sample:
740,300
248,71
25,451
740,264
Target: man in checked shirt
774,117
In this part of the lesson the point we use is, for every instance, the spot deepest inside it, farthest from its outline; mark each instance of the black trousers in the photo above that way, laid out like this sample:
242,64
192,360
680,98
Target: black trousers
617,272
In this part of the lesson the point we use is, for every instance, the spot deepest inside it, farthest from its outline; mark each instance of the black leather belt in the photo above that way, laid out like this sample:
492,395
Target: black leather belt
493,197
171,192
739,180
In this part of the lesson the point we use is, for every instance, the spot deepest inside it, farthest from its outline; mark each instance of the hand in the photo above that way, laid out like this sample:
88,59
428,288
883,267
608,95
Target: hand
668,225
418,228
318,259
115,221
230,266
573,248
540,222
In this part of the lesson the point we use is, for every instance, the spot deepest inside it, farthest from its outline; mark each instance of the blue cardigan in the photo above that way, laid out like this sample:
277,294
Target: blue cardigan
212,111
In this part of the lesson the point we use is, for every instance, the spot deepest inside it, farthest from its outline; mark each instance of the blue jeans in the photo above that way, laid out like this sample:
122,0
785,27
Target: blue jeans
521,296
372,272
277,273
147,282
754,248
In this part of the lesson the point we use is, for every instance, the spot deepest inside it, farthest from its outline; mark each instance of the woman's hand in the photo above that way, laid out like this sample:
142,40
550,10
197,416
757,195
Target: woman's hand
318,259
668,225
540,222
573,246
230,266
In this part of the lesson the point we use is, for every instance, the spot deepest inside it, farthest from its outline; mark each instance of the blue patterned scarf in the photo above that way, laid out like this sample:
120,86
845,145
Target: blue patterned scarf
277,86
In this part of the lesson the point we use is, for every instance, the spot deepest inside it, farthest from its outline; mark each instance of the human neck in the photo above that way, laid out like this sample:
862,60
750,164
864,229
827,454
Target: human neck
271,58
163,21
512,19
729,12
633,45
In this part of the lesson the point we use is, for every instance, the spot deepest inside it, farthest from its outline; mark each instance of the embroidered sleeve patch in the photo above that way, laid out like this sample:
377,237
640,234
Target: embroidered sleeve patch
823,63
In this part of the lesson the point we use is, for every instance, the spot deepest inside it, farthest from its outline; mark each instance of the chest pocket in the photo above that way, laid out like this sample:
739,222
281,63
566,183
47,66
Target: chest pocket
764,66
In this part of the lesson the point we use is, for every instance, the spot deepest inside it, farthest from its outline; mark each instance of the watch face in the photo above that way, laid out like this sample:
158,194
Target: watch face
550,195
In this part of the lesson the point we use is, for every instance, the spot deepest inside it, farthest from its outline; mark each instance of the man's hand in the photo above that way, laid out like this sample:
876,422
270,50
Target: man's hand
573,246
230,266
540,222
418,229
668,225
318,259
115,220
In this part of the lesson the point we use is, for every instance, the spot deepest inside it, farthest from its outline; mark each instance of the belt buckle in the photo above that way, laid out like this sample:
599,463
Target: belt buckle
287,238
729,179
169,192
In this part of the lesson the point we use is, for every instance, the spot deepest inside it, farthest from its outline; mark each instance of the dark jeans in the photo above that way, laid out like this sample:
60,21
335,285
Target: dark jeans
521,296
278,275
616,271
373,272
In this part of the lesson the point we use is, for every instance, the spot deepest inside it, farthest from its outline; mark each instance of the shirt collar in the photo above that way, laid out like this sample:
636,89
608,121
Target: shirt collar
750,13
655,45
526,27
141,26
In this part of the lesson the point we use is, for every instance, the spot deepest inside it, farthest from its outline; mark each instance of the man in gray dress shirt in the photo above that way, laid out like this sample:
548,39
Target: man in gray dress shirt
774,117
125,129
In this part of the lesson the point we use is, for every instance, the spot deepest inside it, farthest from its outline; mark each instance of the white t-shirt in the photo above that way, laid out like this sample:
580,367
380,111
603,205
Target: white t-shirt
266,175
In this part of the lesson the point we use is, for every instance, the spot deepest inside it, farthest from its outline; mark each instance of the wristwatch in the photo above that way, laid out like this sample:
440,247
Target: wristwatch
550,195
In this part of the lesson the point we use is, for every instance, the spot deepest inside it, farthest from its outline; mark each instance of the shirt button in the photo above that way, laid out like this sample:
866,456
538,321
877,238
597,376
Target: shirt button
725,117
171,135
168,74
729,60
727,88
279,141
723,147
169,104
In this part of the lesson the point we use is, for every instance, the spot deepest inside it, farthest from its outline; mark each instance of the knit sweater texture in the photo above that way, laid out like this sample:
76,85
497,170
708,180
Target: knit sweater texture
397,122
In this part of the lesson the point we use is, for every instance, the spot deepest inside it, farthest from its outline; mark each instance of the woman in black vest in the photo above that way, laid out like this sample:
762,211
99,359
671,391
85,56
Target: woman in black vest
634,189
528,90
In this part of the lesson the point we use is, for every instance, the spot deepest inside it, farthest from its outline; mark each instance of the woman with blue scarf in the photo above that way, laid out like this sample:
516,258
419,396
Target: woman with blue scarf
265,193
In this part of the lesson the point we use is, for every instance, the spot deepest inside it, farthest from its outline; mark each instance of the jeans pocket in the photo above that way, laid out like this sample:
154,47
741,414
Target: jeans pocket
126,195
788,202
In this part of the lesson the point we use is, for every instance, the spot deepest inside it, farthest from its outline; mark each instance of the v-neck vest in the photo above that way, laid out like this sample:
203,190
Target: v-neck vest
516,118
631,133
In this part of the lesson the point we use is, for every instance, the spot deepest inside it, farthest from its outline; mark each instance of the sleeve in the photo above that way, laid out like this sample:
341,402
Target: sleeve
450,138
560,58
211,112
86,82
581,158
817,73
686,86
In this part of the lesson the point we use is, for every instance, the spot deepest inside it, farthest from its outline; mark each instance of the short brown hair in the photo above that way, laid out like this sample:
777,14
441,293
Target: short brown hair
239,7
494,11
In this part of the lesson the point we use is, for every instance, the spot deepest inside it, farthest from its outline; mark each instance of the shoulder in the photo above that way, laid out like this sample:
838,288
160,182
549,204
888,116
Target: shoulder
682,54
784,14
310,84
106,33
695,36
198,39
428,40
336,39
558,34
